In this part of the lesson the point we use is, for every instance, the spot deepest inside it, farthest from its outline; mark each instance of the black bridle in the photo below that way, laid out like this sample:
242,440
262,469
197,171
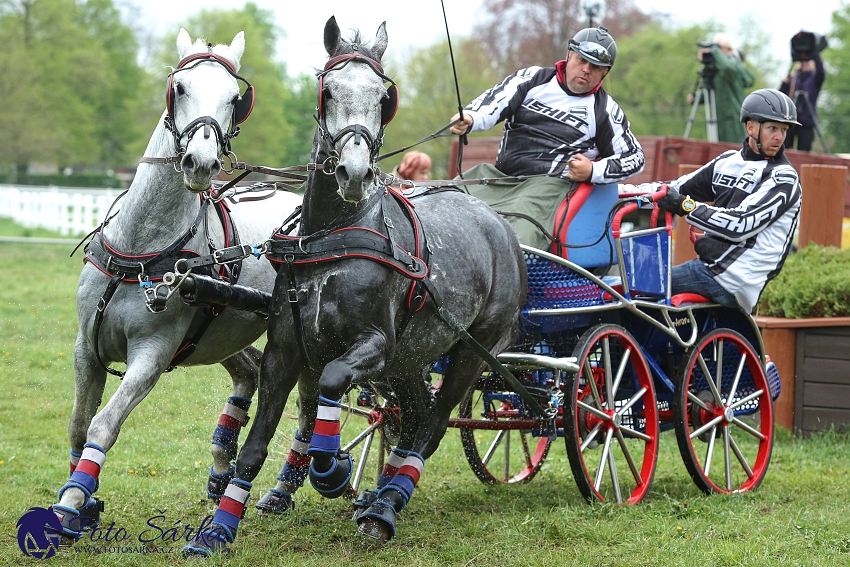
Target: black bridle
358,131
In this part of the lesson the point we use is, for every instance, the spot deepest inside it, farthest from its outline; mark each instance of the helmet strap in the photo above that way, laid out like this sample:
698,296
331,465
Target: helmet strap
757,139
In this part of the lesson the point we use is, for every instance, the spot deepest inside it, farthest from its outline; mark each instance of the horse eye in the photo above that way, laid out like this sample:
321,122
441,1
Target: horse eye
180,90
326,94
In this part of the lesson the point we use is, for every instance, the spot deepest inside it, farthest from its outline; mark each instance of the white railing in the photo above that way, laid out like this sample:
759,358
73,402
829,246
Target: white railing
71,211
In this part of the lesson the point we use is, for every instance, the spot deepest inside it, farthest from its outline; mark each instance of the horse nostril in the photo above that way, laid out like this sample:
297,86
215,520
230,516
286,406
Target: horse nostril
342,176
216,168
368,178
188,163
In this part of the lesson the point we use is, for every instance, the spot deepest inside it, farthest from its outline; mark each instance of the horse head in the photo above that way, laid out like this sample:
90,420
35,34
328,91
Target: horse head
204,105
354,105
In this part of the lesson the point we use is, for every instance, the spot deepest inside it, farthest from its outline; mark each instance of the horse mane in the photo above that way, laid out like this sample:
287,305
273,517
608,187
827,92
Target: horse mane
356,44
221,49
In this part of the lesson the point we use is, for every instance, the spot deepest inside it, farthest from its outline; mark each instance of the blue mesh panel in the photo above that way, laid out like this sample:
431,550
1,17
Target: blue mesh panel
773,383
554,286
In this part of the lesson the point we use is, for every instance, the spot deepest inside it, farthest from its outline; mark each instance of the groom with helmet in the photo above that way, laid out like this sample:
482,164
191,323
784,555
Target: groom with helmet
755,198
560,125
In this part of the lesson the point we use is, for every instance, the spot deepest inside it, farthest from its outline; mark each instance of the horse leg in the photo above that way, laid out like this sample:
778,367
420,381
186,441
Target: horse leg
297,466
243,368
278,375
143,371
378,521
330,471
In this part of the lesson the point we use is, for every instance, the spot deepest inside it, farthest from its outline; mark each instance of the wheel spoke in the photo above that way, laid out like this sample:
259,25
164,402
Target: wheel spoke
693,397
591,379
733,390
638,395
719,377
606,361
754,432
633,433
624,361
709,451
591,435
615,479
598,413
741,458
628,455
525,450
493,446
506,463
727,462
709,380
707,426
601,470
743,401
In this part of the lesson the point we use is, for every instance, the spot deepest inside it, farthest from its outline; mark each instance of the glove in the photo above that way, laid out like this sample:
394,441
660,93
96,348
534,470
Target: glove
672,202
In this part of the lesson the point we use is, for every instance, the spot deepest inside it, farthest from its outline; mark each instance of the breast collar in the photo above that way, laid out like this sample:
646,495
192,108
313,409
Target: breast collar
379,244
150,267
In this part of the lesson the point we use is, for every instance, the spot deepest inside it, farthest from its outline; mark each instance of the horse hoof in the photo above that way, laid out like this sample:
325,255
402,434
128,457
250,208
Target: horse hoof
378,521
376,529
209,542
364,500
275,502
89,517
217,483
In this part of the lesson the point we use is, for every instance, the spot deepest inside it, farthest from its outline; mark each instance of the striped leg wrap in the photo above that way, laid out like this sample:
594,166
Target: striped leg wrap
86,471
232,506
326,433
297,464
233,418
75,459
407,477
392,465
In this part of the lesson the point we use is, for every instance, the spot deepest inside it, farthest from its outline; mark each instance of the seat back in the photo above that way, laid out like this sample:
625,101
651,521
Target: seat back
581,222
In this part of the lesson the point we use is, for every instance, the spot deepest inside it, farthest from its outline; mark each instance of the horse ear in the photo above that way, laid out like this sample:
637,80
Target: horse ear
380,44
184,43
332,36
237,47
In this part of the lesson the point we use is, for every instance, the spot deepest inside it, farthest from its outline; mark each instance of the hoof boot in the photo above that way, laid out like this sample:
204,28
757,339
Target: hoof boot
212,541
217,483
275,502
378,521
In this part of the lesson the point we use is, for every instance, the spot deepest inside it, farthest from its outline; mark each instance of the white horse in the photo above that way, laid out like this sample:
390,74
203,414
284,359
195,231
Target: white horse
163,212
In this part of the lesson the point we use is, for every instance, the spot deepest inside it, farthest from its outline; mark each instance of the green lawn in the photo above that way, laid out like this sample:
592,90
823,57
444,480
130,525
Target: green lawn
159,466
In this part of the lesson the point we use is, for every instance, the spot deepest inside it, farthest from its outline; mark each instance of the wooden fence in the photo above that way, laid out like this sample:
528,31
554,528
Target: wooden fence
69,211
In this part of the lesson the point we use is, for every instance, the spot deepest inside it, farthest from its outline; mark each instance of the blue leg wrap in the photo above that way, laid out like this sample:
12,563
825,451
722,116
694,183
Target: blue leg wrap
326,433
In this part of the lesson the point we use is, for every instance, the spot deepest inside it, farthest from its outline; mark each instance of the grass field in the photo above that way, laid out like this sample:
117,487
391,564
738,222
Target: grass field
158,468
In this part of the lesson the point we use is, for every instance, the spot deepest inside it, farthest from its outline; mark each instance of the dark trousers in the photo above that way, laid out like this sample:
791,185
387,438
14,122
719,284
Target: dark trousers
804,135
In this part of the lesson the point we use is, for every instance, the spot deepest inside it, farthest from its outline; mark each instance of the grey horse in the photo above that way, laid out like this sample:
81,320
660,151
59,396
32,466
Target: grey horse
347,309
163,211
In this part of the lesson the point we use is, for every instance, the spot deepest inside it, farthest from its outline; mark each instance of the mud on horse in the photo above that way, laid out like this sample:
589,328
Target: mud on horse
346,309
166,215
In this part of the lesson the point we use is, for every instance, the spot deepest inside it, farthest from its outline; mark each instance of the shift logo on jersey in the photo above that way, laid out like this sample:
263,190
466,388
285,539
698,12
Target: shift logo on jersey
743,182
576,116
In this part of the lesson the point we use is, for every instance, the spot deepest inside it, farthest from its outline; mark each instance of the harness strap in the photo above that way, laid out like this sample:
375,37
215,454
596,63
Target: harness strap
485,354
98,319
292,297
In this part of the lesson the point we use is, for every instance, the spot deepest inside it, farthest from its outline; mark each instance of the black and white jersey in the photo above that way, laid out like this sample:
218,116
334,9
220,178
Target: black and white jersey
749,227
545,124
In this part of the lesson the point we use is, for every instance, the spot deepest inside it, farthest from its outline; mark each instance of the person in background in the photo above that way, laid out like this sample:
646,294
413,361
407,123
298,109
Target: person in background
755,198
730,80
561,126
414,166
806,82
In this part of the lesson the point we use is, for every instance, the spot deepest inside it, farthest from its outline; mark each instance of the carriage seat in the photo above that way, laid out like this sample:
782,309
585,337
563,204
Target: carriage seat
681,298
580,222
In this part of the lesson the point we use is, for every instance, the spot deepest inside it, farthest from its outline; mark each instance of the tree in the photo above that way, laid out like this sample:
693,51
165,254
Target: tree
68,69
521,33
428,96
835,102
268,136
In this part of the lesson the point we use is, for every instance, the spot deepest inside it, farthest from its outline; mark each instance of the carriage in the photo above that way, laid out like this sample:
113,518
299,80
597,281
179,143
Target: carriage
617,360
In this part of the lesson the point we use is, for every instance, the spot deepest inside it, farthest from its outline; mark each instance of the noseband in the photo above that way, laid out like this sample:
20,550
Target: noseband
357,131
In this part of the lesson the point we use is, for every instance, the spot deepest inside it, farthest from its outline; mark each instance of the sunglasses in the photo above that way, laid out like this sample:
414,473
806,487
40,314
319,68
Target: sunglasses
593,52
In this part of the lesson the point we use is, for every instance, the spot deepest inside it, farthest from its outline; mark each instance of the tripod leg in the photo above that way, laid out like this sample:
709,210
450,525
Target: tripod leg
694,107
711,116
804,96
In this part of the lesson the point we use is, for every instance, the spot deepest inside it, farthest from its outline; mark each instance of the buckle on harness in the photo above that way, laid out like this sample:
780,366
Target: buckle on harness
292,295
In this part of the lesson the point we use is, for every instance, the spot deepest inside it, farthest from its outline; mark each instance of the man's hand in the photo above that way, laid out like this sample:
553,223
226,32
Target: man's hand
672,202
581,168
461,128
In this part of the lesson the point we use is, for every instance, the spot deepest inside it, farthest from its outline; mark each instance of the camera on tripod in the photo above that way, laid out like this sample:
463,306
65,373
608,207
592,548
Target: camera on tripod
805,45
707,58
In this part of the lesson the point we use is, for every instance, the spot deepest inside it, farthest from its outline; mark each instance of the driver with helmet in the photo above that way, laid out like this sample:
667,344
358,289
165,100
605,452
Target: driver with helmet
755,194
560,124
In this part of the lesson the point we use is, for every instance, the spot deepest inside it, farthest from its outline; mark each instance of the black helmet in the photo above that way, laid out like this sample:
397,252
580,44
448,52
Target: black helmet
769,105
595,45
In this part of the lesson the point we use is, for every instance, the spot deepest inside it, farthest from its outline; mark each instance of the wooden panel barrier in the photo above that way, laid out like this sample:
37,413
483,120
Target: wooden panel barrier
822,213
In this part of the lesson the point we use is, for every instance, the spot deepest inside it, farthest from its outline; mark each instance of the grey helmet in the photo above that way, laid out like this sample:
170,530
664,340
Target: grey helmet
769,105
595,45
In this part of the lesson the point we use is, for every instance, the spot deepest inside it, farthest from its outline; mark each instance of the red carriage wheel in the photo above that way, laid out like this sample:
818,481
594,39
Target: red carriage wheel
611,418
502,444
723,414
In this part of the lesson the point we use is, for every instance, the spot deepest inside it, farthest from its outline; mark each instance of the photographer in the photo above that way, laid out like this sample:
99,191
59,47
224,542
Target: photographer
803,87
725,72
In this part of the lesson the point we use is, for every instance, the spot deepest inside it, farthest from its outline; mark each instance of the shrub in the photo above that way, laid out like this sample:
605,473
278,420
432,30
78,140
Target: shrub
815,282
